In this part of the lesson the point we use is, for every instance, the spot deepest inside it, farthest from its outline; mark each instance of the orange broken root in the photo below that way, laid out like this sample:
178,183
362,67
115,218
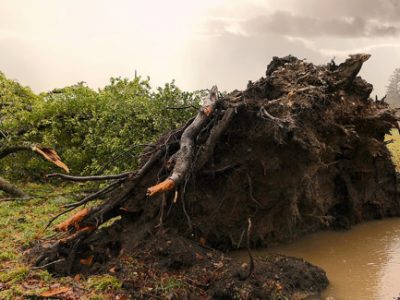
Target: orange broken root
166,185
207,110
86,261
56,291
73,221
73,236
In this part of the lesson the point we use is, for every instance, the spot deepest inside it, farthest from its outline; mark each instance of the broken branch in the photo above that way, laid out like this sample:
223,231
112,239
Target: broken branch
185,153
88,178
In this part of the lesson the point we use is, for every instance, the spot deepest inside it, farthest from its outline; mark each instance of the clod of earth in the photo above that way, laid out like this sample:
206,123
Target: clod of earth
297,151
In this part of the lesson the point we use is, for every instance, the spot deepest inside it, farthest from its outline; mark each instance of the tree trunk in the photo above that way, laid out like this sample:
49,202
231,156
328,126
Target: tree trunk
11,189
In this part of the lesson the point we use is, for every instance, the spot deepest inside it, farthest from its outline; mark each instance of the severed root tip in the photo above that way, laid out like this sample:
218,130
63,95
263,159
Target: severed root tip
73,221
397,124
72,237
86,261
52,156
207,110
166,185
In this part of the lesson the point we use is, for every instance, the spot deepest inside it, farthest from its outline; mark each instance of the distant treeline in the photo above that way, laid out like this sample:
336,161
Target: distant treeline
393,89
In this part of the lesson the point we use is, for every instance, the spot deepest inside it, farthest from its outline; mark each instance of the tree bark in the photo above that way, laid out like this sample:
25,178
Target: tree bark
184,157
7,150
11,189
47,153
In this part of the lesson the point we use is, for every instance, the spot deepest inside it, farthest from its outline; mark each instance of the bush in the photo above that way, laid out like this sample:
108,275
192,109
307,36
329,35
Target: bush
93,131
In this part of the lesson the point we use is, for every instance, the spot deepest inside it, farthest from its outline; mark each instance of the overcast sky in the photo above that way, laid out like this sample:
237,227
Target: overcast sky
53,43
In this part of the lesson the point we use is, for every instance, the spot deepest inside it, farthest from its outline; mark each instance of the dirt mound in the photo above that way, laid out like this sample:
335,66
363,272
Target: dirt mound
299,150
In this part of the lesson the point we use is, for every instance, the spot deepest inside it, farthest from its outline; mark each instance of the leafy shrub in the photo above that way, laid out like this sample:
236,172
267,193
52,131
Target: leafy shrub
94,132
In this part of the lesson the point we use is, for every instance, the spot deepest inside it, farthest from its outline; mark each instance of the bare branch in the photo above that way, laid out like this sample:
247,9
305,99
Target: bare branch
182,107
96,195
185,153
88,178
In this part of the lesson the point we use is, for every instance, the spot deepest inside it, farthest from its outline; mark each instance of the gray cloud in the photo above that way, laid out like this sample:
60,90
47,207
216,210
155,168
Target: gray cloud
380,10
314,18
304,26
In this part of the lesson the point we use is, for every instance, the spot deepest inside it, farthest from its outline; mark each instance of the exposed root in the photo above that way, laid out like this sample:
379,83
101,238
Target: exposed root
215,135
88,178
73,221
166,185
87,261
98,194
207,110
251,259
183,158
251,192
49,264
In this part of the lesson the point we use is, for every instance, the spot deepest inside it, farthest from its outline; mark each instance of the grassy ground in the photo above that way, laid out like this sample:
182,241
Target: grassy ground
394,147
23,222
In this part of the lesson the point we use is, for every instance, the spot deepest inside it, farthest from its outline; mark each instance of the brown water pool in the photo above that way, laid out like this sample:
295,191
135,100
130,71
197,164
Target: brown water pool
362,263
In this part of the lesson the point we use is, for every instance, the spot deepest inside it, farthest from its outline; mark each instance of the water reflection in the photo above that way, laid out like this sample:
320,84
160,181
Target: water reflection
361,264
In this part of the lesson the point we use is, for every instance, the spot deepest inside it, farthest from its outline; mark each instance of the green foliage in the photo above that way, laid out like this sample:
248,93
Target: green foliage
7,256
16,102
16,106
93,131
393,141
15,275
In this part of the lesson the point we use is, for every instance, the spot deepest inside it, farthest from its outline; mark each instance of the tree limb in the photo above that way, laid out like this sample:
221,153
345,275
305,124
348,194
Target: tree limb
88,178
47,153
185,153
214,136
11,189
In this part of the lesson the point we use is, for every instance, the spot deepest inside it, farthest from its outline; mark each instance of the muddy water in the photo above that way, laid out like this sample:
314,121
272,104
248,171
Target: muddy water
361,264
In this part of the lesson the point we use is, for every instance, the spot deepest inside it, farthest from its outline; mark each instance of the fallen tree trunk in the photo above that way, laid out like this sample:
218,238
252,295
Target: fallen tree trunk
299,150
11,189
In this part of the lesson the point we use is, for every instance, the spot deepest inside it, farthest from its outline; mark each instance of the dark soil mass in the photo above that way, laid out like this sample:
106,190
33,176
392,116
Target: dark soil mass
300,150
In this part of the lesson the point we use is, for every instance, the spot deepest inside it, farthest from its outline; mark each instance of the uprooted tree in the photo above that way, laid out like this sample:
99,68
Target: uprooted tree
298,150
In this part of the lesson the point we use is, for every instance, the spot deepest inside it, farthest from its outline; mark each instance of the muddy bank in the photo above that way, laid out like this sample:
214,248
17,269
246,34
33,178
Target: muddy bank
168,266
301,149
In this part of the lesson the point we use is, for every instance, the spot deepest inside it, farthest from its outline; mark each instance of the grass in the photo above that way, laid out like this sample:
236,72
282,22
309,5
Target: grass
104,283
394,147
22,223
